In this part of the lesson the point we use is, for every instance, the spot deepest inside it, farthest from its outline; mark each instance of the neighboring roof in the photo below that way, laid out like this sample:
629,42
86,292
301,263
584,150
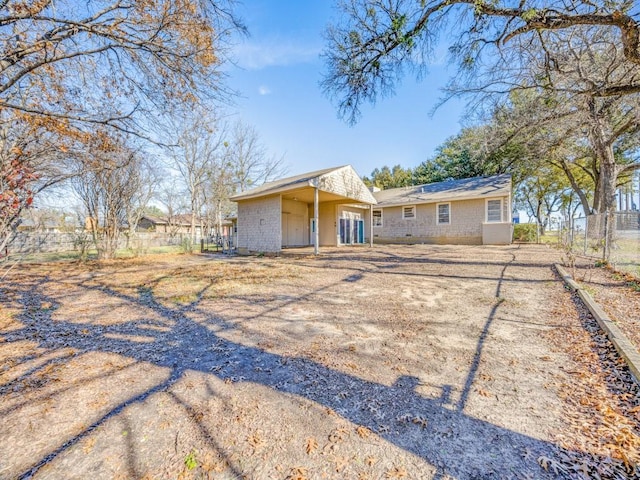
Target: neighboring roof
343,181
465,189
183,219
155,220
29,223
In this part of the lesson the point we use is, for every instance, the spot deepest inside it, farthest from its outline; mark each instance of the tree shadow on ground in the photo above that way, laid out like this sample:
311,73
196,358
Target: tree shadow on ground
433,429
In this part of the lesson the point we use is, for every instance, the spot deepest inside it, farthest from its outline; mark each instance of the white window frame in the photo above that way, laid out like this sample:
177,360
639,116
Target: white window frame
438,222
373,217
413,210
487,210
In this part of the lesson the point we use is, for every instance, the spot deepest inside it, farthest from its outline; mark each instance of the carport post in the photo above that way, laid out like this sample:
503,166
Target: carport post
371,225
316,223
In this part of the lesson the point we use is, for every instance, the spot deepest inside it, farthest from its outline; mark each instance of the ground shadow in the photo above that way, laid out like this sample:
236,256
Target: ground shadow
445,435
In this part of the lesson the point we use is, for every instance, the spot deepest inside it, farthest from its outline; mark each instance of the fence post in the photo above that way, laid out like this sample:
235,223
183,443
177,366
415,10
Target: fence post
201,245
586,229
605,251
560,228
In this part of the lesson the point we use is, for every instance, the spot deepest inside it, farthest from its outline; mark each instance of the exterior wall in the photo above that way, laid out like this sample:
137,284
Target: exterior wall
356,213
466,224
497,233
295,224
259,225
328,225
345,182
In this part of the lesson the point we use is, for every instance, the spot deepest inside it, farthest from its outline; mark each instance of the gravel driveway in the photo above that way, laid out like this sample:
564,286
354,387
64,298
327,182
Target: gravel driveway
392,362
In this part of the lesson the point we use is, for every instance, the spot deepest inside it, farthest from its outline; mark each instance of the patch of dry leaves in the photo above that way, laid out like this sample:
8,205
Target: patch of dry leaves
604,403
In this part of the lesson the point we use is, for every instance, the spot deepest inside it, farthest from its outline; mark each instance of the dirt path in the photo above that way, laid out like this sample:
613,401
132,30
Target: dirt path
394,362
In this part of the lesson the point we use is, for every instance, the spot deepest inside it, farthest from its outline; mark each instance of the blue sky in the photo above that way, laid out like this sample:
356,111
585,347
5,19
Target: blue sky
278,74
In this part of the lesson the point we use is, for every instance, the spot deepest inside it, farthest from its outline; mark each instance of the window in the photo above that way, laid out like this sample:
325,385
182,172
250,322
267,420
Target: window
494,210
409,212
377,218
444,213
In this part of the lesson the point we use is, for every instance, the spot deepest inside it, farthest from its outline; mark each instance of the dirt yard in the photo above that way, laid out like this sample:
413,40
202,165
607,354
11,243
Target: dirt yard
425,362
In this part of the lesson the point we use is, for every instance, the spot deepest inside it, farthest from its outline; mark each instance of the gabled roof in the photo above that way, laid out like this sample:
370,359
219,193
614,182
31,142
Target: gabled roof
340,181
450,190
182,219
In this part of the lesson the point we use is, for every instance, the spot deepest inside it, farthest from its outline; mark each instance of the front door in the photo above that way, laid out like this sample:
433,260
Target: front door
351,231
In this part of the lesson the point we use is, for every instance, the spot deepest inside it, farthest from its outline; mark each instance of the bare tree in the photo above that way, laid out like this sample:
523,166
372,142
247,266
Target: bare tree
109,186
172,199
68,67
375,41
103,61
144,185
200,145
249,160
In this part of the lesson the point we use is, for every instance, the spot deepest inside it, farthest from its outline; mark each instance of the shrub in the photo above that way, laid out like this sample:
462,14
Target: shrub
186,245
524,232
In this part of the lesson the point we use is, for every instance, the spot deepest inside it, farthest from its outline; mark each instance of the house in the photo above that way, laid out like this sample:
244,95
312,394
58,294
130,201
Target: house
323,208
42,225
176,224
469,211
283,213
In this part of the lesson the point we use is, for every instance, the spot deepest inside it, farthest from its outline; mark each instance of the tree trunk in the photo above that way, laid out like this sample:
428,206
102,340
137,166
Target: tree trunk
584,201
604,201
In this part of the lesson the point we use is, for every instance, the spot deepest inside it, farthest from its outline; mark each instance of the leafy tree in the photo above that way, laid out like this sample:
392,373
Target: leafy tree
471,153
154,211
386,177
543,194
582,55
375,41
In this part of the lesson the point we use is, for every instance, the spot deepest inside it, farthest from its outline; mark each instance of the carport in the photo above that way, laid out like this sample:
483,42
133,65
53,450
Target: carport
329,207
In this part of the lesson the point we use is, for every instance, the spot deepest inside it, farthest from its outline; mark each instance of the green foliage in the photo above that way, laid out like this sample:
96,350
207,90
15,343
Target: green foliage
385,178
529,15
190,460
524,232
154,211
467,155
186,245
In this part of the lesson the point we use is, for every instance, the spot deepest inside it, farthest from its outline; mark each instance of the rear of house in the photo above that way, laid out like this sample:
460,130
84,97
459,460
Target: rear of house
327,207
469,211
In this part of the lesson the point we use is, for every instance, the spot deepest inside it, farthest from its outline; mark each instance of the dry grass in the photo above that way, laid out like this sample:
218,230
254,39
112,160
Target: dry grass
402,362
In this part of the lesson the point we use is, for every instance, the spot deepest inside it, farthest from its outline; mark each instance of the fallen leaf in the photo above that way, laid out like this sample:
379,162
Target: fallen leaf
312,445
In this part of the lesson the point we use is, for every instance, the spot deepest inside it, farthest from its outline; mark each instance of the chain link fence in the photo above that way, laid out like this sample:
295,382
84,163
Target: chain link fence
28,243
218,243
612,238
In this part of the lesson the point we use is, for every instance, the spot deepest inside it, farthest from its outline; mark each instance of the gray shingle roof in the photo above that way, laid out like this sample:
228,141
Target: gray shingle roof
339,181
283,183
465,189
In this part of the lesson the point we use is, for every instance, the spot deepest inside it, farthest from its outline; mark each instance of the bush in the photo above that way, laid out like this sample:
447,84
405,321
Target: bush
524,232
186,245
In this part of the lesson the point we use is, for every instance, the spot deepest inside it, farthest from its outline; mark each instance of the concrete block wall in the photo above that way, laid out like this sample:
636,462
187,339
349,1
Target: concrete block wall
466,226
259,225
497,233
